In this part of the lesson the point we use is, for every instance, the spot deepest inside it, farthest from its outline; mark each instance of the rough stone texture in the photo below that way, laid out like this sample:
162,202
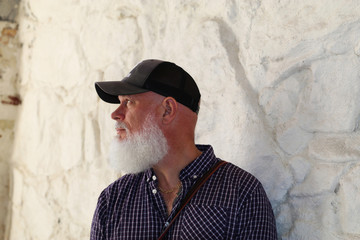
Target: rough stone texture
8,10
9,105
336,147
280,98
349,200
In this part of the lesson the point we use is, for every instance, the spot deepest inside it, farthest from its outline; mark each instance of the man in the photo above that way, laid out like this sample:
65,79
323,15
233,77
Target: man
155,124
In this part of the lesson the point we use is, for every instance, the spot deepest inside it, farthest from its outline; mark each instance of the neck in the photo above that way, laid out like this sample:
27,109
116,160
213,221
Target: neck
168,169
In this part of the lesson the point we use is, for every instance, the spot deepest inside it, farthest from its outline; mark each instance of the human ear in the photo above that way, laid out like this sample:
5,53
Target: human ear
170,107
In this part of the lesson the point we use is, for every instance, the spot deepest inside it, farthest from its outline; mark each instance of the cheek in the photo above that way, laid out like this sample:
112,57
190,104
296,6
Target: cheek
139,125
137,119
134,125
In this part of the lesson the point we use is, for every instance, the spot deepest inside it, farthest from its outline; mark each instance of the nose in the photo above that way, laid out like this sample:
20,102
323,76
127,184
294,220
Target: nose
118,114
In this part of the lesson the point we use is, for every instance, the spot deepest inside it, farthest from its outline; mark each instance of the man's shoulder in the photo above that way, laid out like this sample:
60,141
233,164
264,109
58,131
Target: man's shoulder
229,187
239,177
238,172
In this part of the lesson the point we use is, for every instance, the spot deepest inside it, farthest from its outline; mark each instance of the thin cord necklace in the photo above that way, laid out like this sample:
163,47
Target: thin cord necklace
171,190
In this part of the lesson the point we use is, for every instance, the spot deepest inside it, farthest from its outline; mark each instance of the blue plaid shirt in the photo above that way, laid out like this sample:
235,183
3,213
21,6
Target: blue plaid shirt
232,204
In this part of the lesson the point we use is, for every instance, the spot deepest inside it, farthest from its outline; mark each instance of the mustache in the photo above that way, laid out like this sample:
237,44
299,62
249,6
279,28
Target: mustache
121,125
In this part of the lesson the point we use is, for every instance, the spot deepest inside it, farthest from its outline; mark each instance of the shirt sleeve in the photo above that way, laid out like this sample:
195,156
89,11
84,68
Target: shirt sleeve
256,217
99,219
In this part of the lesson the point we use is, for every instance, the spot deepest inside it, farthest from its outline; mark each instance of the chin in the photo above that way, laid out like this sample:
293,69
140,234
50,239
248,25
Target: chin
120,137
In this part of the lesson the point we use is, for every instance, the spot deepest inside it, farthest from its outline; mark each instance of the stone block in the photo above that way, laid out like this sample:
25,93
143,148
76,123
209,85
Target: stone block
41,224
335,147
281,100
332,107
47,130
300,168
323,178
349,201
312,220
57,61
292,138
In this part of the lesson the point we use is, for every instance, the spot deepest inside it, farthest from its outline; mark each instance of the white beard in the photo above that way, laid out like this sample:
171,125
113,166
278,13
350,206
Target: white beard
138,151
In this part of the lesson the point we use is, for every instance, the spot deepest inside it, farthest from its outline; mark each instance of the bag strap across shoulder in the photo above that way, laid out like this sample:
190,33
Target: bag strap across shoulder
192,192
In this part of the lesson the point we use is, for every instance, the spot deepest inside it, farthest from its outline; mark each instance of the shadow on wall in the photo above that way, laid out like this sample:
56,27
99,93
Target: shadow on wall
8,10
9,104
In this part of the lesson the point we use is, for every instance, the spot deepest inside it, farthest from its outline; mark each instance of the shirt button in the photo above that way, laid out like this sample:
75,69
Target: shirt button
154,191
194,177
166,224
154,177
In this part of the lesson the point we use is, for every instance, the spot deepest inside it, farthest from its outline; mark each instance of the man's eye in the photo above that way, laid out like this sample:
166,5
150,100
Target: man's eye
126,102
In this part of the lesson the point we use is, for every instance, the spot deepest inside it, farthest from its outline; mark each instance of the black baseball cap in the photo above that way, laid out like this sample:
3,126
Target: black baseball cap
164,78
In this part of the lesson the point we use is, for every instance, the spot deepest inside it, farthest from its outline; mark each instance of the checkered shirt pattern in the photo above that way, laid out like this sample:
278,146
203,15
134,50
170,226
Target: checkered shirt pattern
232,204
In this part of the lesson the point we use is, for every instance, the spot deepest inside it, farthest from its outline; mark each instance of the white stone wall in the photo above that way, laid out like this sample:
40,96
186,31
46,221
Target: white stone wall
280,83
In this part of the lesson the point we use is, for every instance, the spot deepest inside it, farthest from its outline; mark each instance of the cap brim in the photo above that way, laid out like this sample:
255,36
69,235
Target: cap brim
110,90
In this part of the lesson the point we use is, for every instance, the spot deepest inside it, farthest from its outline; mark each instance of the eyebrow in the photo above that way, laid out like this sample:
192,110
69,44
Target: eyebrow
126,97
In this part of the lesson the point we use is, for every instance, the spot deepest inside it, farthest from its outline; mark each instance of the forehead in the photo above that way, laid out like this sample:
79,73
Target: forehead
146,96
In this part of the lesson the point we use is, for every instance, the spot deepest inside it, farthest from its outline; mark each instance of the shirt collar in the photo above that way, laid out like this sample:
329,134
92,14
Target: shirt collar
201,164
196,168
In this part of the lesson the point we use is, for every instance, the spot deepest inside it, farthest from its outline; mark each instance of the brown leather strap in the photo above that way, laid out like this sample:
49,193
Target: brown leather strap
192,192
